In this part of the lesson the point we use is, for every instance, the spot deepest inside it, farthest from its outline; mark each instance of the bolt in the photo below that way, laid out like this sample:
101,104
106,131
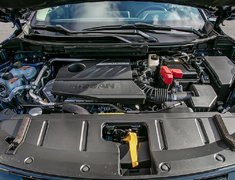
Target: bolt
219,157
28,160
85,168
165,167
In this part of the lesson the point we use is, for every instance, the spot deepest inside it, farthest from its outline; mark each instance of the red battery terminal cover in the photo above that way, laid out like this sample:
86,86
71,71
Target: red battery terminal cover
166,75
177,73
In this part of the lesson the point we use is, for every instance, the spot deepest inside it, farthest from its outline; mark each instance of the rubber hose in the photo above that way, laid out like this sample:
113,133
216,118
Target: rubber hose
73,108
160,95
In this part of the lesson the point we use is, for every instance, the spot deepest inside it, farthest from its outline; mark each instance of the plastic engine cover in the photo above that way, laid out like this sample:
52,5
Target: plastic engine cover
107,80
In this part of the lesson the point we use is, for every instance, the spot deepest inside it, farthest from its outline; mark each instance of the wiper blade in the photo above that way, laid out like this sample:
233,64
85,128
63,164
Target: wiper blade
144,26
191,30
141,26
169,28
55,28
63,30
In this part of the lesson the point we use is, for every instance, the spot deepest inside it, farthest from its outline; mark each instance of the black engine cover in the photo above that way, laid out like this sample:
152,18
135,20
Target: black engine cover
107,80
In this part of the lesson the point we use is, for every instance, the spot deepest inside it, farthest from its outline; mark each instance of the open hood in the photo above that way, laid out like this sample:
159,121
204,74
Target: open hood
37,4
13,10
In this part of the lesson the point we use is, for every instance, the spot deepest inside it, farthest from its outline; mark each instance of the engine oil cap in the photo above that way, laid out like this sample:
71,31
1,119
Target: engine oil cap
35,111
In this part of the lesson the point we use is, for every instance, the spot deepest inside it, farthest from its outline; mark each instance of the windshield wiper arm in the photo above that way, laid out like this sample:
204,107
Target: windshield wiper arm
169,28
139,27
191,30
64,30
144,26
55,28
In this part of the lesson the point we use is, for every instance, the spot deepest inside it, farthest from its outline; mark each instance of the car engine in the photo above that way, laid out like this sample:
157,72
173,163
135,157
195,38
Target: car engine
180,82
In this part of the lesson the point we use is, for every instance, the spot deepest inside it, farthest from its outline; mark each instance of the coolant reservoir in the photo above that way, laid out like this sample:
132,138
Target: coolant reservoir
28,72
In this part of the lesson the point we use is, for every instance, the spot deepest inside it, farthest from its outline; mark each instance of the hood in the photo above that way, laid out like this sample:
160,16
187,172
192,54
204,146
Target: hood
37,4
13,10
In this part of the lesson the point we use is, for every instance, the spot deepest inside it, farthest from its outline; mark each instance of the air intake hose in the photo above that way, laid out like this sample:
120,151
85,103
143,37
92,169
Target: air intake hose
73,108
160,95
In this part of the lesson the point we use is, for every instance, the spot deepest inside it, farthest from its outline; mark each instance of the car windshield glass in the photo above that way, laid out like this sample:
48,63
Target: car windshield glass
87,15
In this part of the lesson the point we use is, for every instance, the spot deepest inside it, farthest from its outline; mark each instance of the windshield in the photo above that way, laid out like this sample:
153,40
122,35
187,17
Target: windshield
87,15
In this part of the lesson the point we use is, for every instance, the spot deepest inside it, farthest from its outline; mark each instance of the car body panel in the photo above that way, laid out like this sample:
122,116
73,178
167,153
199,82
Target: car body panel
193,144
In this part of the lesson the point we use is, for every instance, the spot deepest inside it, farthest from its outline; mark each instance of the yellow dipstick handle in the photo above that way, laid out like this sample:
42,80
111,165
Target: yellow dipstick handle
132,140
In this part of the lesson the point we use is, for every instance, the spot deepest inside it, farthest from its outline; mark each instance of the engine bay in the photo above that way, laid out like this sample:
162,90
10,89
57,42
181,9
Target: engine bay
181,82
127,109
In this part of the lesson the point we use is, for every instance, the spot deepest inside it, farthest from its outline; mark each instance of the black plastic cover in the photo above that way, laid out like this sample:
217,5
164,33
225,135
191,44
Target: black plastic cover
60,145
222,71
107,80
204,98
